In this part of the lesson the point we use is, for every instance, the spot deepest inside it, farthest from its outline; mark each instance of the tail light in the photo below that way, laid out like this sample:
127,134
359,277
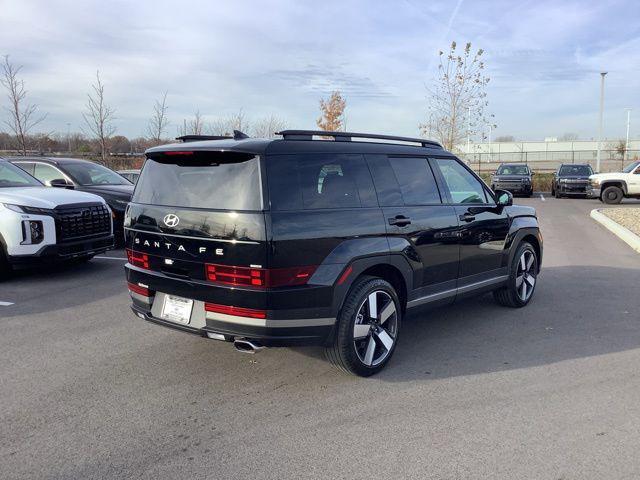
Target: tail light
140,290
138,259
237,311
259,277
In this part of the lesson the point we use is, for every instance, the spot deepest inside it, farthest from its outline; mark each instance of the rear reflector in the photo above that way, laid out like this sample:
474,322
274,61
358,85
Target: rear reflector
345,275
259,277
138,259
138,289
237,311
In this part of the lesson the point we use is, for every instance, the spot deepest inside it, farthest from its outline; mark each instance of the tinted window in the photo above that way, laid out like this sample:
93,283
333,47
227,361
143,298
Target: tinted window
27,167
93,174
224,182
416,180
463,186
12,176
319,181
575,170
513,170
45,173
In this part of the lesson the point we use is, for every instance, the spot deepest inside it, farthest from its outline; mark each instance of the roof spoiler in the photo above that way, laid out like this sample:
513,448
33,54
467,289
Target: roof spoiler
237,135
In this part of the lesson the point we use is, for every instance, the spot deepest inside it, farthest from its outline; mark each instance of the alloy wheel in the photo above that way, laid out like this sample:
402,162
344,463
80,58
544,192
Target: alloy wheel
375,328
526,275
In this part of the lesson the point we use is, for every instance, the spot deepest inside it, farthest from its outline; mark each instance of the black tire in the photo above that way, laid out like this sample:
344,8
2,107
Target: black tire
511,294
612,195
5,268
349,353
557,194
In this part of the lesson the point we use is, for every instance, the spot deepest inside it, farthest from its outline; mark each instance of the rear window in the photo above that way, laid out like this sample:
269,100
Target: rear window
319,181
212,180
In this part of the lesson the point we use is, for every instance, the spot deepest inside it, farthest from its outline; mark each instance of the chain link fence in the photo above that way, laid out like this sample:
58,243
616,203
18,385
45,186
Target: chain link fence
549,161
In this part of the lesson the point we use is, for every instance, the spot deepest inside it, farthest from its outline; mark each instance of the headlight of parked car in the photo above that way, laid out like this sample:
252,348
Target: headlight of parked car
15,208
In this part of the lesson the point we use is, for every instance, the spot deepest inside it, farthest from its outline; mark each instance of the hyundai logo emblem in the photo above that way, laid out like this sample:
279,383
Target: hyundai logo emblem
171,220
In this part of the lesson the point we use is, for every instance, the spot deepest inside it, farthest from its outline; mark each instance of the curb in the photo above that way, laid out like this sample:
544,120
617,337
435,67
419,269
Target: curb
621,232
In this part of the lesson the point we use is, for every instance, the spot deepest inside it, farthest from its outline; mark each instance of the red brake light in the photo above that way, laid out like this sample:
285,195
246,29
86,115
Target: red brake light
237,311
259,277
138,259
144,291
178,153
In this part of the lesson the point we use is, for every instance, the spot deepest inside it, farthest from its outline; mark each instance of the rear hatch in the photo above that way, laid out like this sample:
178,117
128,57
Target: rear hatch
191,210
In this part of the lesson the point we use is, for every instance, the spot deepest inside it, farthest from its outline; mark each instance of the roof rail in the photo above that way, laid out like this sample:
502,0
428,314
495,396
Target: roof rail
198,138
347,136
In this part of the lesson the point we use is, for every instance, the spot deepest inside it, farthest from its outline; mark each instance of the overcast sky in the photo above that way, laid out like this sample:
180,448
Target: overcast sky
279,57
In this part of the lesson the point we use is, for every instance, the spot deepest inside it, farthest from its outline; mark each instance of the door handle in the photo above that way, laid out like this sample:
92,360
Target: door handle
400,221
467,217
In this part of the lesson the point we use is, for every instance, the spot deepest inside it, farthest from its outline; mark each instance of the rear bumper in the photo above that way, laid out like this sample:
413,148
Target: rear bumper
64,251
277,333
293,317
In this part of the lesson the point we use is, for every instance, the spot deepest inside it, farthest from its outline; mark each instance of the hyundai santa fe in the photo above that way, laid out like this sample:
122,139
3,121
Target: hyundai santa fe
321,238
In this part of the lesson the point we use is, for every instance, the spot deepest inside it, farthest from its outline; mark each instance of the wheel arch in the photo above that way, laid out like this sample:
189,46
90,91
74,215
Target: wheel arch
393,268
621,184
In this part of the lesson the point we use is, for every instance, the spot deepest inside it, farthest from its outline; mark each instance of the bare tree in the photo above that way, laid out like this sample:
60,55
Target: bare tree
267,127
158,122
22,115
332,119
99,117
226,126
193,126
457,101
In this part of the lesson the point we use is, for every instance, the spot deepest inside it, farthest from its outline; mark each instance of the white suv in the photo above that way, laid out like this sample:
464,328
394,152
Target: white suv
613,187
39,223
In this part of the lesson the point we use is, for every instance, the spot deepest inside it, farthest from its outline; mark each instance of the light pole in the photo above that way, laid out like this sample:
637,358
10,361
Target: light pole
69,136
626,145
602,74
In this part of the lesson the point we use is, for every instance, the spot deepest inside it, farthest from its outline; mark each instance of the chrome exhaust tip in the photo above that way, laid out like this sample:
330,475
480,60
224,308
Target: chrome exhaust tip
247,346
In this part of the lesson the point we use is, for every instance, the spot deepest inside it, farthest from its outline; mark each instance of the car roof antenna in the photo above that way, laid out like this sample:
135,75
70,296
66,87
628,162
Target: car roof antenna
238,135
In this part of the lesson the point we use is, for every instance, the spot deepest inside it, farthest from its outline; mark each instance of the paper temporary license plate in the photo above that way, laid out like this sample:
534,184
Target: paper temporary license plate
177,309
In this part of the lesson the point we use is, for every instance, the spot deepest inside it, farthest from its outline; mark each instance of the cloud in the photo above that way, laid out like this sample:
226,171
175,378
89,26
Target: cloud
280,56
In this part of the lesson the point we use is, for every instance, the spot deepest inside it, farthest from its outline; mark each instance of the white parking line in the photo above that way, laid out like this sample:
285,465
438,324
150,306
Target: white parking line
112,258
6,304
542,198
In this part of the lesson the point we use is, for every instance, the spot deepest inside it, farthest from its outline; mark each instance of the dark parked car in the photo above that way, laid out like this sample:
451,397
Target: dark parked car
84,176
300,240
513,177
571,179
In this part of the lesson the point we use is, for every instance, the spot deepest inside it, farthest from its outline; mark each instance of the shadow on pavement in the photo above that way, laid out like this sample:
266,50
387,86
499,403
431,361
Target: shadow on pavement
577,312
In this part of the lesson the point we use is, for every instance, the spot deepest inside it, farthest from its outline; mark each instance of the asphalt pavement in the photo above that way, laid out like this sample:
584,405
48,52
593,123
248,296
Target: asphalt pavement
474,390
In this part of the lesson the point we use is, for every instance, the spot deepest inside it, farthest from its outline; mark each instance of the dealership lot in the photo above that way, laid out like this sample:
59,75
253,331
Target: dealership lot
477,390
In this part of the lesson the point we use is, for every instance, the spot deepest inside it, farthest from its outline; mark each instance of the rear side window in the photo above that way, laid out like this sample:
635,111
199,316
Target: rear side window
319,181
463,186
211,180
416,180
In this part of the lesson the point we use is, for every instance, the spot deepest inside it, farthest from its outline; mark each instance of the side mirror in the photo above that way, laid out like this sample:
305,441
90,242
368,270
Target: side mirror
533,173
503,198
60,183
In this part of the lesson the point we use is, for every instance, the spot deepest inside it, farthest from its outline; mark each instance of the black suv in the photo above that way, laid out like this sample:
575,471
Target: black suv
84,176
304,240
571,179
513,177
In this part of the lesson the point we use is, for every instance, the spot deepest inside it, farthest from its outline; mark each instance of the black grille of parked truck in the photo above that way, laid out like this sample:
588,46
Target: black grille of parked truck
323,238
